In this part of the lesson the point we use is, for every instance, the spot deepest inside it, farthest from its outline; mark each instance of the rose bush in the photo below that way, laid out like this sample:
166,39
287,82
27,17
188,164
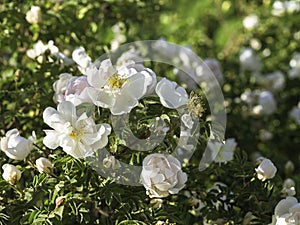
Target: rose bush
49,51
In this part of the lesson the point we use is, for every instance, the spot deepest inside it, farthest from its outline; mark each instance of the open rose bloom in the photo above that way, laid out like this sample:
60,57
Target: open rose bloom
118,88
162,175
78,135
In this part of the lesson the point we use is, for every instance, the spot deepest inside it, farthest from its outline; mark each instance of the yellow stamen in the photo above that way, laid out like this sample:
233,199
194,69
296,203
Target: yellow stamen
115,81
75,134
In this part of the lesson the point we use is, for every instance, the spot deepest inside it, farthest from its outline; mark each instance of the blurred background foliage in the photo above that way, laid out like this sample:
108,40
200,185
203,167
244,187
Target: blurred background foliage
212,29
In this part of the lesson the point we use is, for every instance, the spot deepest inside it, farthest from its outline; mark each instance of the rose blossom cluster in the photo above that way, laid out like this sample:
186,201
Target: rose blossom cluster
117,88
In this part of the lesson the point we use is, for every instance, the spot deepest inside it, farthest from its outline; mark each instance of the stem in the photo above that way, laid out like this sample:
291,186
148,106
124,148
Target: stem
15,187
38,147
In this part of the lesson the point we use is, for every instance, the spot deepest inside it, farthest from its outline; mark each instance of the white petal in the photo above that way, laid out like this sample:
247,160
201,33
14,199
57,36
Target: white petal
171,95
4,143
51,117
51,140
136,86
101,98
67,109
124,103
164,186
284,205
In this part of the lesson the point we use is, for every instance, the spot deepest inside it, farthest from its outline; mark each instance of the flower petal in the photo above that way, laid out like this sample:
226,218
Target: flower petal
51,140
171,95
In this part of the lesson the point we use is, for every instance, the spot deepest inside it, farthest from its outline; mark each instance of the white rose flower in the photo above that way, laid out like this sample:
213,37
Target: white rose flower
255,43
34,15
294,72
250,97
292,6
279,7
295,114
266,104
226,151
119,36
295,61
289,187
76,91
265,135
162,175
61,57
118,89
52,47
15,146
249,60
38,49
287,212
11,173
71,88
289,167
81,58
251,22
43,165
131,62
60,87
79,136
273,81
266,170
170,94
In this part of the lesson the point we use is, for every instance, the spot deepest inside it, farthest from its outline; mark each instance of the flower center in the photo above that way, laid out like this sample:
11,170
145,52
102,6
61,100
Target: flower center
195,104
115,81
76,134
